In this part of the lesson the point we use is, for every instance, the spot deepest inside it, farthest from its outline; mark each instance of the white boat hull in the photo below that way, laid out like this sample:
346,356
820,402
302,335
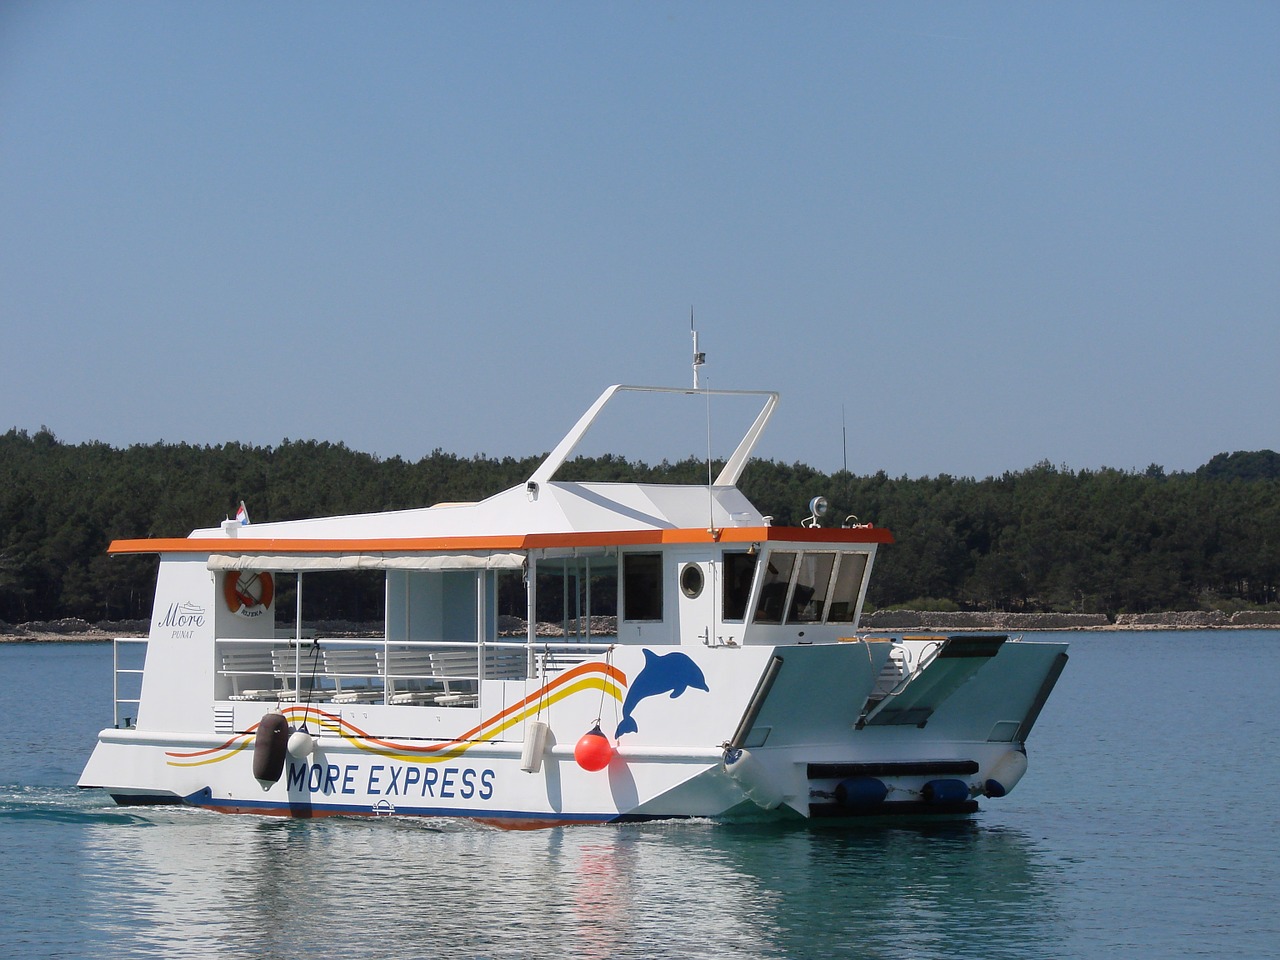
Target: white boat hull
803,744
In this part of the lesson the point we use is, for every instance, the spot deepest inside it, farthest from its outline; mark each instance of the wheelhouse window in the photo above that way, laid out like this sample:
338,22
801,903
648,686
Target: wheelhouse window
739,569
642,586
810,587
813,578
848,584
774,587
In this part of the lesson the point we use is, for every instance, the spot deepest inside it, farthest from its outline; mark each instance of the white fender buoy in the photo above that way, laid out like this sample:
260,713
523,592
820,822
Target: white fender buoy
301,744
535,745
750,774
1004,776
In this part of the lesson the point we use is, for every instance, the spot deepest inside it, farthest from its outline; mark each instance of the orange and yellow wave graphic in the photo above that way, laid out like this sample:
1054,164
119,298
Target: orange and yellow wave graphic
586,677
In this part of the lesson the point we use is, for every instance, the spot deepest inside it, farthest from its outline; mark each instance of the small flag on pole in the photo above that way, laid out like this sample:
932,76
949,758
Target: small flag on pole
243,514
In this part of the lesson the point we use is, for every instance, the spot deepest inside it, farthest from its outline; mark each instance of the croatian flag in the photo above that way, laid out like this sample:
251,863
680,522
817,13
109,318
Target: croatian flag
243,514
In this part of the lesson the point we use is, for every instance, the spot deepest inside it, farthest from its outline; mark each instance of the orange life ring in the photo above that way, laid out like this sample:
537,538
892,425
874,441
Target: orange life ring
247,590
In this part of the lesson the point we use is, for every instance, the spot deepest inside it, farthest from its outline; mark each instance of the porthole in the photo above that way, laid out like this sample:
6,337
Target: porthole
691,580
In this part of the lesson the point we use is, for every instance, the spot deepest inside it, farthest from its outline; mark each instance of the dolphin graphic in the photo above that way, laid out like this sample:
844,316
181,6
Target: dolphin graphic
673,673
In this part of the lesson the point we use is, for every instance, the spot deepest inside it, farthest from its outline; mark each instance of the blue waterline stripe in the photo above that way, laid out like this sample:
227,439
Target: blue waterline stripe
201,799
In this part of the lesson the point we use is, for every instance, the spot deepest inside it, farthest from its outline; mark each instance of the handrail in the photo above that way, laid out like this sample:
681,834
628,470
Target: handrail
116,672
914,665
489,656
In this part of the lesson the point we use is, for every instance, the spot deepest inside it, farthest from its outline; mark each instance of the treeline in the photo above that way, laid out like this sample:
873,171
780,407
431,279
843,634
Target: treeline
1042,539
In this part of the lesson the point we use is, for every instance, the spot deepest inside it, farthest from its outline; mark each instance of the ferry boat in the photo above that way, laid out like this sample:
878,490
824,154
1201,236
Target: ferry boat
706,663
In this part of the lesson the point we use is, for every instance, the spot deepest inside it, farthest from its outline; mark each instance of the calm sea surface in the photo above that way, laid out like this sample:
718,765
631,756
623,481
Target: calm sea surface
1146,827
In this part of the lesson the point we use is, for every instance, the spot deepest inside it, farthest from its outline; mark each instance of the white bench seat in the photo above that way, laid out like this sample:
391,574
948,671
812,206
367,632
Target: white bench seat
251,672
444,676
408,675
355,674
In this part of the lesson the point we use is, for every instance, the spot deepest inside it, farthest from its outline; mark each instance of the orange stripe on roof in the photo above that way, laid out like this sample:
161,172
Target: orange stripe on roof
530,541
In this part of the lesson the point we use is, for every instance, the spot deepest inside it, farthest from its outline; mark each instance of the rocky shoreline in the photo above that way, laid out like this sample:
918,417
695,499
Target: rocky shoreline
70,629
897,621
900,620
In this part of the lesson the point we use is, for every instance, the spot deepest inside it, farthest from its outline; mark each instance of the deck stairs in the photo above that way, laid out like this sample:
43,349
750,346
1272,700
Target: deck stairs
907,694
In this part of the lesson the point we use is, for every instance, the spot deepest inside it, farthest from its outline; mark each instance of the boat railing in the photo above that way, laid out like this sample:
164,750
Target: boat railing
916,658
128,658
385,670
905,662
553,657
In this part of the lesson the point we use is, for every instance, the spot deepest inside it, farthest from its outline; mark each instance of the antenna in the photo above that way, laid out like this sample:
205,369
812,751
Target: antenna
698,358
844,439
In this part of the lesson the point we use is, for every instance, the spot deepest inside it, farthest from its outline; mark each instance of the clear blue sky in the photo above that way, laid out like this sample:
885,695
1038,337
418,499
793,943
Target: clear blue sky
989,233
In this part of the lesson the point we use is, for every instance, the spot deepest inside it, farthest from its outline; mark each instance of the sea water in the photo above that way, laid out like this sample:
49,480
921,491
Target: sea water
1146,827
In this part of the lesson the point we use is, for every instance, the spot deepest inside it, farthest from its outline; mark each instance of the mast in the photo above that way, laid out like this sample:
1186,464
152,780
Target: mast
698,358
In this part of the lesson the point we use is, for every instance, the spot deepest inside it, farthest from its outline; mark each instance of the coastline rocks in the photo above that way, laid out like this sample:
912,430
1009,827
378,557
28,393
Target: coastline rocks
975,620
72,629
1187,620
336,628
65,626
1256,618
600,627
899,620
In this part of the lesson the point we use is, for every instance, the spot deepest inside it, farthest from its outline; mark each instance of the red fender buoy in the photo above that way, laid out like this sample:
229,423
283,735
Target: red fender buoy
270,745
593,750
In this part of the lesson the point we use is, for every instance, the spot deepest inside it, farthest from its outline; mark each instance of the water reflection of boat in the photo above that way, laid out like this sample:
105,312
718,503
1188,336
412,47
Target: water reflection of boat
279,888
707,663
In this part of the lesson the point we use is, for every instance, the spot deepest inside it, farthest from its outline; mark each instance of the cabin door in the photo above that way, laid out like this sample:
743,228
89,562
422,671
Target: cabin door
696,591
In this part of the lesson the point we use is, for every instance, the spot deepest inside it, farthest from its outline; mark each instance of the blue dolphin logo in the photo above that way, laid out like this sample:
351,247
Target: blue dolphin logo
673,673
